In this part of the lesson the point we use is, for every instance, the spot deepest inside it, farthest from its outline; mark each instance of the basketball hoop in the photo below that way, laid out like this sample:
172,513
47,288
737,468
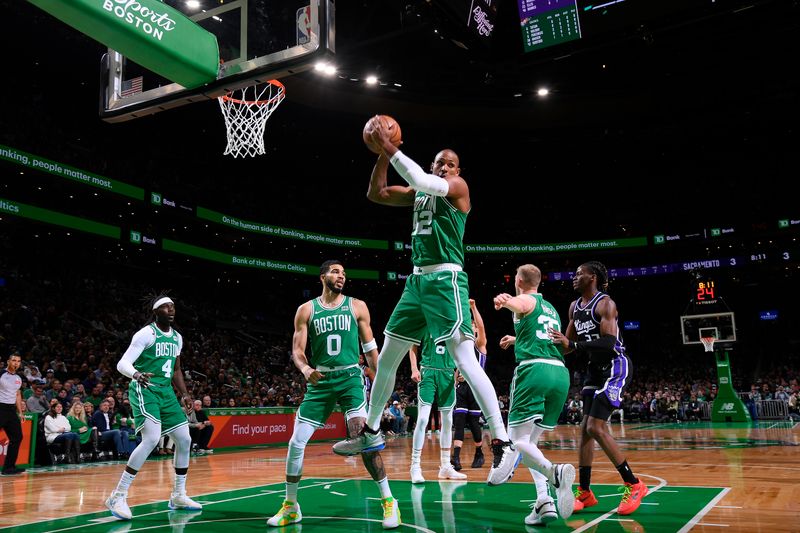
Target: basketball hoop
246,112
708,343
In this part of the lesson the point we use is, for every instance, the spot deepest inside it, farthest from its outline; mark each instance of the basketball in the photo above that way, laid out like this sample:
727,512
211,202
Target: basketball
390,124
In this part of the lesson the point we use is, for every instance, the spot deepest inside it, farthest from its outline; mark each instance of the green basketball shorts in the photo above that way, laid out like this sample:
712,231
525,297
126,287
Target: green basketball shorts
538,392
157,404
437,384
345,387
436,303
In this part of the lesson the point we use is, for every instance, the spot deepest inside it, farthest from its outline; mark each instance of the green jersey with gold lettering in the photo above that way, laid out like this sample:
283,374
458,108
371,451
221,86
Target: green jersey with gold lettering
437,235
159,355
435,355
533,340
334,334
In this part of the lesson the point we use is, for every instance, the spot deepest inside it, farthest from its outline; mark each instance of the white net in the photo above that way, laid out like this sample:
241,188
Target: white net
708,343
246,112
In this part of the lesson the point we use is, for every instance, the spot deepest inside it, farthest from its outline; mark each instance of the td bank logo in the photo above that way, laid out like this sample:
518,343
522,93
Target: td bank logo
155,198
658,239
136,237
391,276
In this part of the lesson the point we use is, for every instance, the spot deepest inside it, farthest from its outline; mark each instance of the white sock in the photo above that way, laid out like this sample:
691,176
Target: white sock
392,354
541,484
180,484
291,491
532,457
445,456
462,350
383,485
416,456
125,482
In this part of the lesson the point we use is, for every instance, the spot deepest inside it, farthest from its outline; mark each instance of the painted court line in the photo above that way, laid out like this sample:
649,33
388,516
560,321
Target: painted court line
456,501
715,525
260,493
338,493
729,507
699,516
145,503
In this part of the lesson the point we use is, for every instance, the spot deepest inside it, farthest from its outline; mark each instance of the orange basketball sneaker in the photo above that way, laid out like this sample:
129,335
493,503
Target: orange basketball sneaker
584,498
631,497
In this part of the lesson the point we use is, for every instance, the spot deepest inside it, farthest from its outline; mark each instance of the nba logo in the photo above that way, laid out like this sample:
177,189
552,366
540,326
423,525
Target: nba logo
303,18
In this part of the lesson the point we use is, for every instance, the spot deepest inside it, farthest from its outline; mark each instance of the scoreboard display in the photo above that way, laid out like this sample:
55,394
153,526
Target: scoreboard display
548,22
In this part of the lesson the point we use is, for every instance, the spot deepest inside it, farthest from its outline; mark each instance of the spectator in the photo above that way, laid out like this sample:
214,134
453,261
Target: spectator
200,428
78,424
96,397
37,403
57,430
575,410
693,410
102,421
400,422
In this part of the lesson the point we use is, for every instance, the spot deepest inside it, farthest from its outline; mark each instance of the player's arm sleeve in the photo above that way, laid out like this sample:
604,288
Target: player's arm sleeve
417,178
604,344
141,341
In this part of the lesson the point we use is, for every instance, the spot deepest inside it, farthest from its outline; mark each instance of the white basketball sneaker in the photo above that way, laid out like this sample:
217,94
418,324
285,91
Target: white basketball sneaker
448,472
416,474
118,505
564,475
182,501
543,511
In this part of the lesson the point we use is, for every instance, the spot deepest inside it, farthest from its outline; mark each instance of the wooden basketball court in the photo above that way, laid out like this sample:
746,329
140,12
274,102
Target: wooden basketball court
702,477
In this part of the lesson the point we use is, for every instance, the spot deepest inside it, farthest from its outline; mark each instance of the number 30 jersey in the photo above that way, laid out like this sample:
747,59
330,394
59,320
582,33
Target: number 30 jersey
159,350
533,339
333,334
437,234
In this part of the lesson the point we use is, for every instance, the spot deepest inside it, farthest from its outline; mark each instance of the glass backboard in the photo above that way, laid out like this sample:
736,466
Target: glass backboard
258,40
721,325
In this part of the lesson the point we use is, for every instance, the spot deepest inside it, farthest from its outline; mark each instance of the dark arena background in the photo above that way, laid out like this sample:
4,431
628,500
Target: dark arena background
658,137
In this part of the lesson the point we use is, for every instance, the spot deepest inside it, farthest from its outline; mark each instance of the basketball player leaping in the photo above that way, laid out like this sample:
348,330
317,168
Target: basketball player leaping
152,362
593,320
334,323
435,300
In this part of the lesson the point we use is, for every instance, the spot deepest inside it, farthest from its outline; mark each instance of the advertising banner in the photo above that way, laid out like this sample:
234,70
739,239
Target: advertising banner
255,429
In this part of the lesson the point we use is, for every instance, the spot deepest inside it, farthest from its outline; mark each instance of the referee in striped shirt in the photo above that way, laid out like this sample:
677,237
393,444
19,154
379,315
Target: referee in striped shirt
11,413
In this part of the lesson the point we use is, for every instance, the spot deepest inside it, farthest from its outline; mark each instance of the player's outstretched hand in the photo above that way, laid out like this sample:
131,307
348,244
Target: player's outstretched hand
143,378
313,375
507,340
500,300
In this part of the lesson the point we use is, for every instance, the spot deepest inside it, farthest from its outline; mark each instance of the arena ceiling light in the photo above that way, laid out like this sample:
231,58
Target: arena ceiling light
372,80
543,91
192,4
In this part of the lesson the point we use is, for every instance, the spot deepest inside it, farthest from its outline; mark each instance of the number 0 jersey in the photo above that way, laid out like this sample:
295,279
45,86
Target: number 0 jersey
159,351
437,235
533,339
334,334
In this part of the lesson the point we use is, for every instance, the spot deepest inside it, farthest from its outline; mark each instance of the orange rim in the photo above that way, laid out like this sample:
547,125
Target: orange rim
276,83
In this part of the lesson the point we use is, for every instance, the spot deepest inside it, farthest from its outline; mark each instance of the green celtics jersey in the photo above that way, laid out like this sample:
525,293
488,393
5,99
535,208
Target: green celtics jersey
437,235
159,354
434,355
533,340
334,334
